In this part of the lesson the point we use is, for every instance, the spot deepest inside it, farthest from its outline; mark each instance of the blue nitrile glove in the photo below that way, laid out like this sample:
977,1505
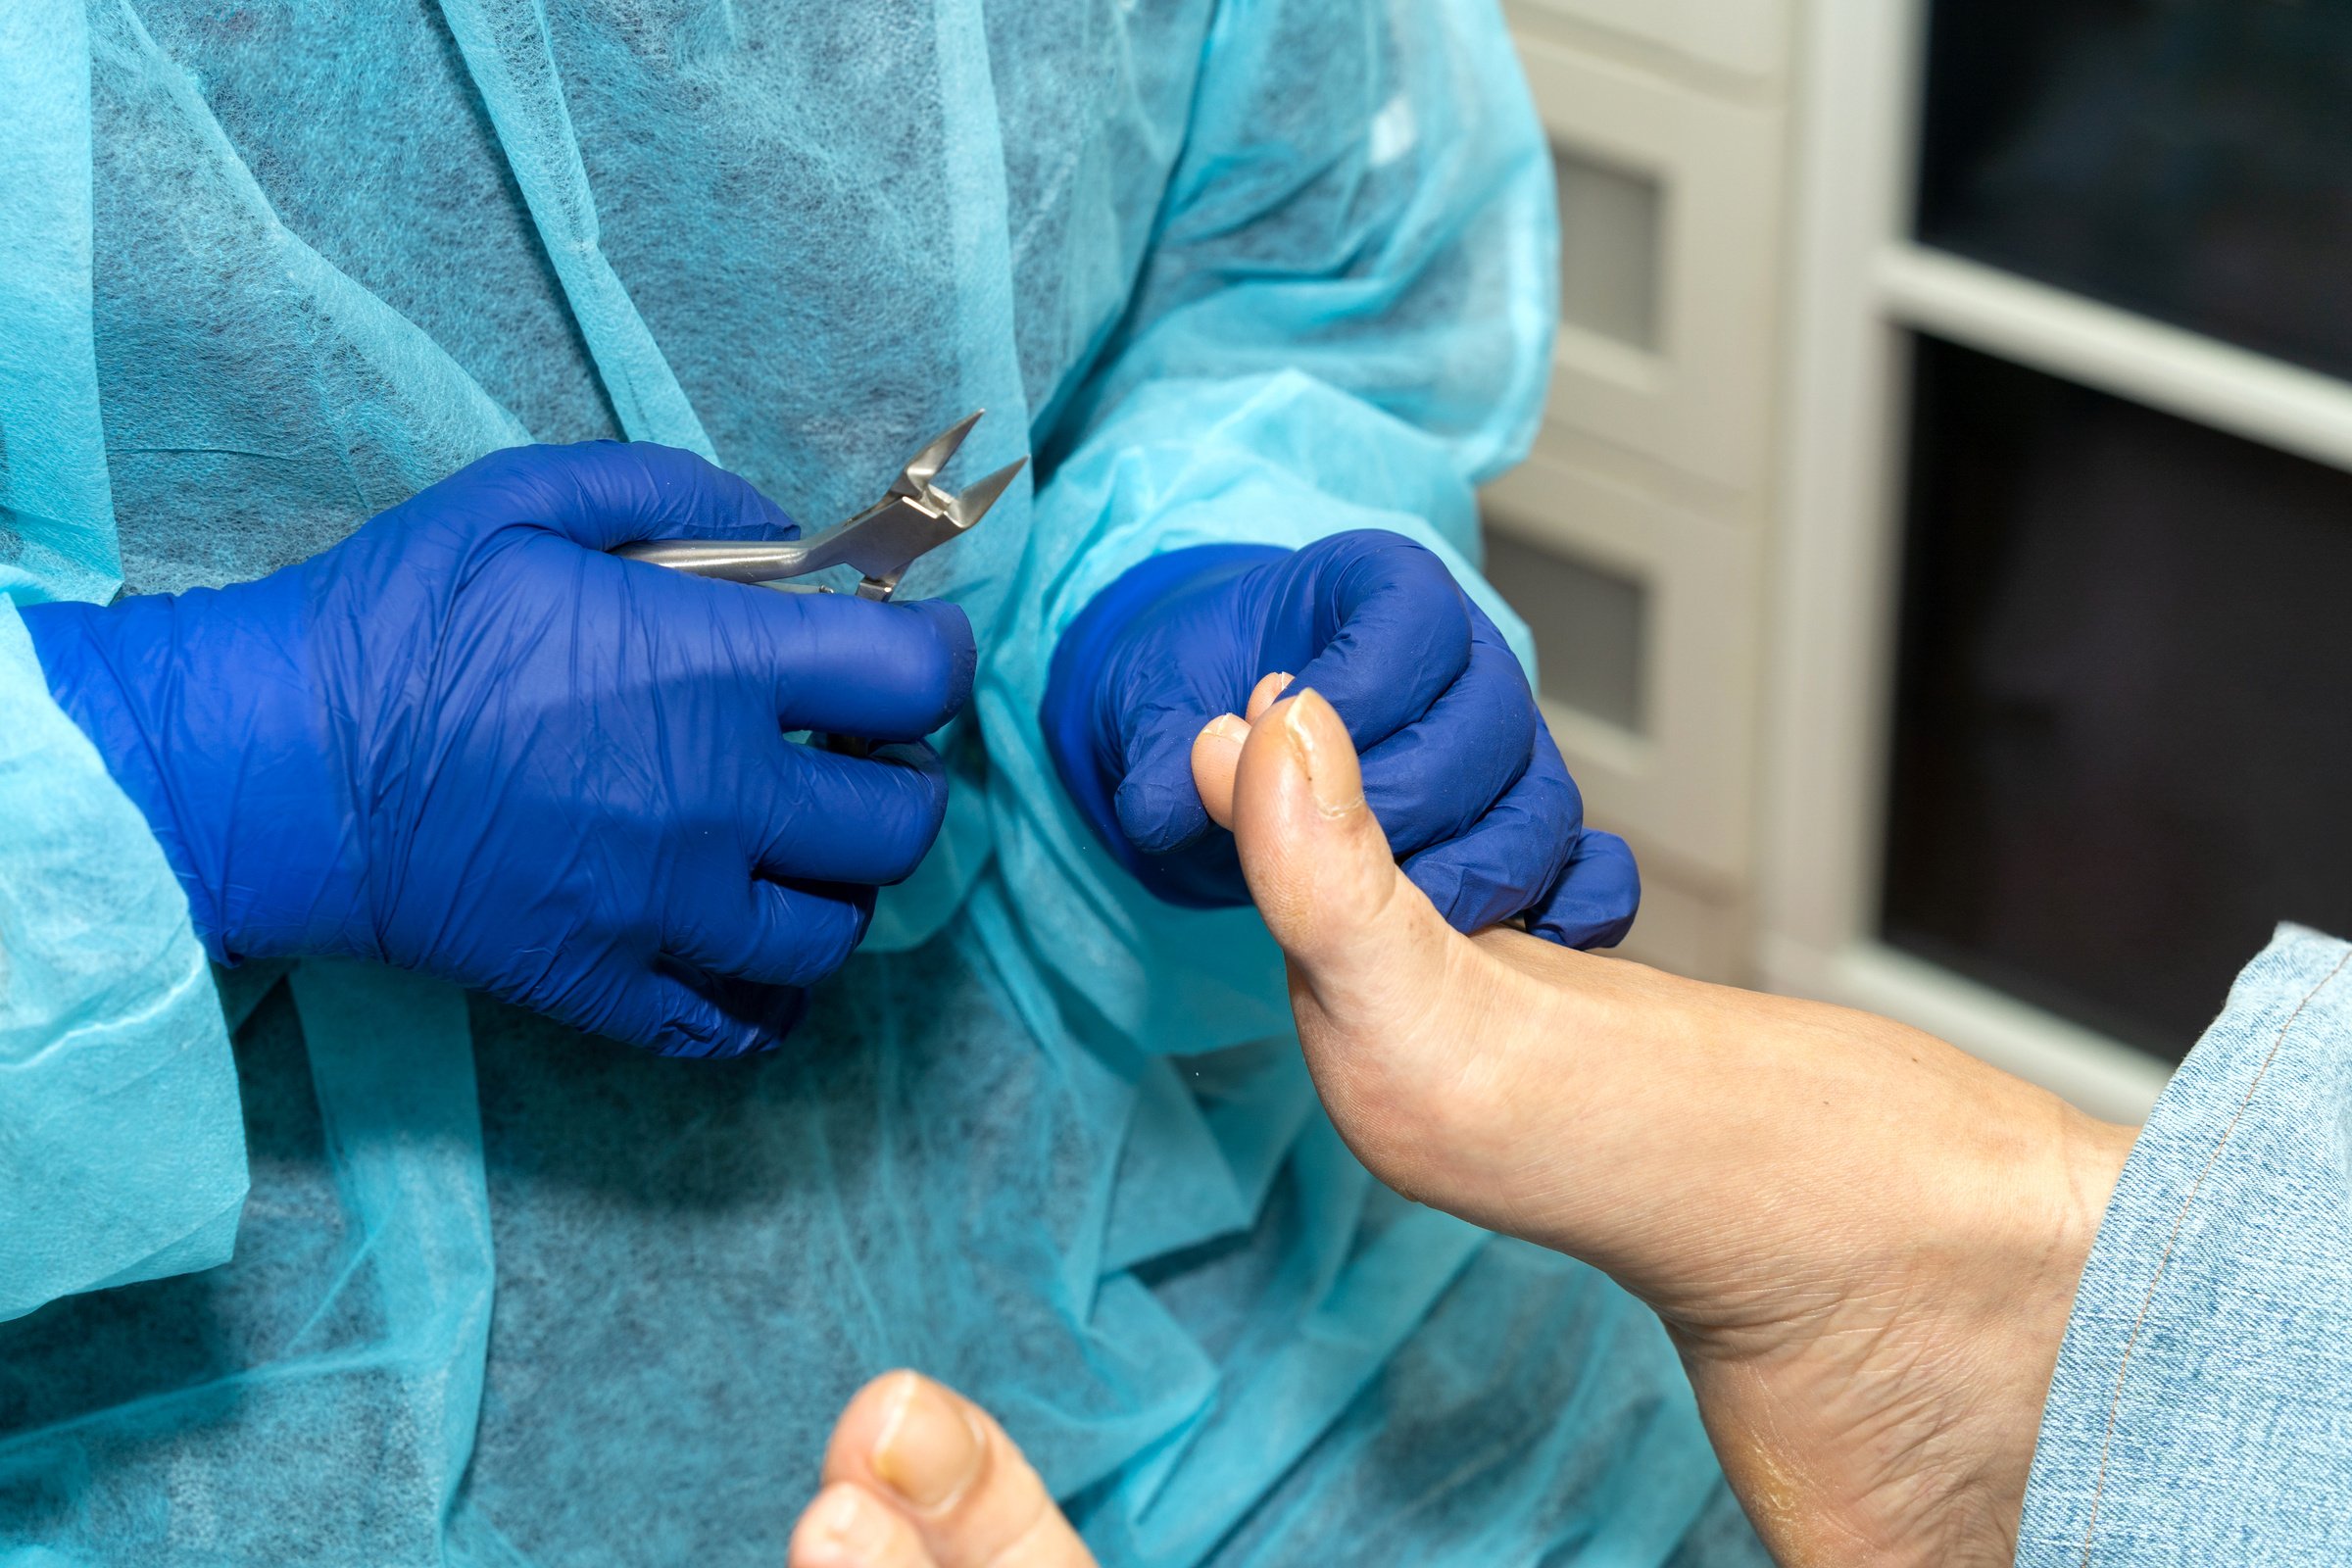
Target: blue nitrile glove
469,741
1459,766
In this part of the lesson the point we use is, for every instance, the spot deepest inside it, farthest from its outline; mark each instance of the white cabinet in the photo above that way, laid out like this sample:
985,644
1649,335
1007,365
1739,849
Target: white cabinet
1750,37
1659,174
1679,778
1633,539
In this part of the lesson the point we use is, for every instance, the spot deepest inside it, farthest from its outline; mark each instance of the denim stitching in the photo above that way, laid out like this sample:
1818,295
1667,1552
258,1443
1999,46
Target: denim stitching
2123,1367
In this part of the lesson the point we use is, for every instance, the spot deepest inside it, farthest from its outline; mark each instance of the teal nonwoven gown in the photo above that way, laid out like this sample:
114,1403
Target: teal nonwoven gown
504,1295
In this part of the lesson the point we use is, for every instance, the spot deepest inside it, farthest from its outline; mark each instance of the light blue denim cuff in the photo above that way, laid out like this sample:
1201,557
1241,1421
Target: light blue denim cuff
2203,1407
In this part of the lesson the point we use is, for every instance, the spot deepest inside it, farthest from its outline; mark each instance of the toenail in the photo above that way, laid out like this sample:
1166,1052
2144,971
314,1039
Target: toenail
1229,727
1333,796
928,1452
853,1524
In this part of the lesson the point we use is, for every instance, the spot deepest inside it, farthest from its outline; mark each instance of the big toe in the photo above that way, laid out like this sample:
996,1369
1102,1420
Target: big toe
919,1477
1365,942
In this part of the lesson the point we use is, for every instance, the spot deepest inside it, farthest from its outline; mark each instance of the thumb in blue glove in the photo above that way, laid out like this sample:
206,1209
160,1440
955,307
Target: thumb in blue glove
469,741
1457,766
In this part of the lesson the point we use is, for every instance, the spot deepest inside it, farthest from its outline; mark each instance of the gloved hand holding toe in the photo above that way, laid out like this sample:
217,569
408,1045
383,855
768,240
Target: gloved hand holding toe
469,742
1457,765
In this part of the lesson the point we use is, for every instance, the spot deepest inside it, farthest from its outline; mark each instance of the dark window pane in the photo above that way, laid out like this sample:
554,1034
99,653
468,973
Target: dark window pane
1590,625
1610,248
2187,158
2122,730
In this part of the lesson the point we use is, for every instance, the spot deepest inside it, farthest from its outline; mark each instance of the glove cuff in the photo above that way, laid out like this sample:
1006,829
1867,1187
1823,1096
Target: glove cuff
82,649
203,715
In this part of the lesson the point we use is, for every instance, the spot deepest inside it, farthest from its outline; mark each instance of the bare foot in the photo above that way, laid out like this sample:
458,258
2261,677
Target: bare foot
1864,1242
918,1476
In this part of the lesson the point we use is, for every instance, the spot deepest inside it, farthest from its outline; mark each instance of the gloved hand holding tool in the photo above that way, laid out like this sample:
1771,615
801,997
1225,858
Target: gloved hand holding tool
1457,765
468,741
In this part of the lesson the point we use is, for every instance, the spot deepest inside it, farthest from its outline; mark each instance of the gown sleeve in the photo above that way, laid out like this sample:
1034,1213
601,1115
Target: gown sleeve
1343,320
121,1140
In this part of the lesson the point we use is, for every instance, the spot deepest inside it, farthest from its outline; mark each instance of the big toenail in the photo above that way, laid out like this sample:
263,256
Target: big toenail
1333,796
928,1451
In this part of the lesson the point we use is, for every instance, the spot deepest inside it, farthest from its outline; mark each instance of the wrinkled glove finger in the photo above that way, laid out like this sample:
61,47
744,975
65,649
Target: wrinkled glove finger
1434,779
1379,629
1159,807
672,1011
1514,856
1594,902
830,661
781,934
827,817
604,494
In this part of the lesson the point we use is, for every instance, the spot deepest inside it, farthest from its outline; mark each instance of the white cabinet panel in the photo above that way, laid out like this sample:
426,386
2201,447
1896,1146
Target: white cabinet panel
1747,36
1682,780
1682,374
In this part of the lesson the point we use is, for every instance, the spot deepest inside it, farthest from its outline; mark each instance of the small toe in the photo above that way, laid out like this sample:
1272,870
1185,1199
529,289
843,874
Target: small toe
848,1527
